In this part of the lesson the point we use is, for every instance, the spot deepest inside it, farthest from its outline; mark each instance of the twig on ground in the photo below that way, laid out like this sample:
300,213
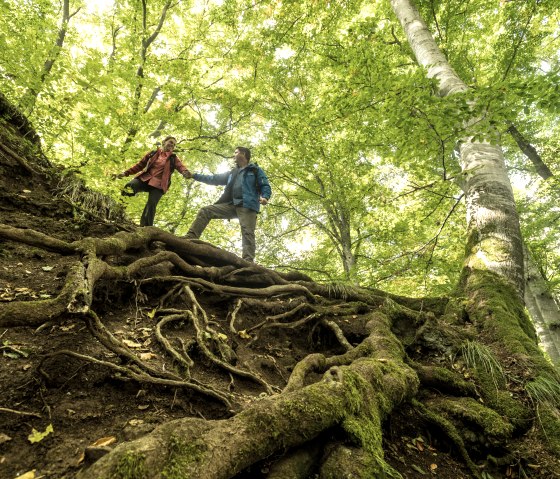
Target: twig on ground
19,413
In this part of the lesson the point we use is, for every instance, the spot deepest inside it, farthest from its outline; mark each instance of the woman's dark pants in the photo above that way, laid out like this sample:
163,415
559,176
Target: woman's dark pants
154,195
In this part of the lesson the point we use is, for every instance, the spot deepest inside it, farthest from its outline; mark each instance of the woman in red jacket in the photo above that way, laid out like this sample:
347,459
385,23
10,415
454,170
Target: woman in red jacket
154,176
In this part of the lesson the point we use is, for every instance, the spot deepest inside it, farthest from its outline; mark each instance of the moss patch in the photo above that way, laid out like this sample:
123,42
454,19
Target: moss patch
182,454
549,418
131,466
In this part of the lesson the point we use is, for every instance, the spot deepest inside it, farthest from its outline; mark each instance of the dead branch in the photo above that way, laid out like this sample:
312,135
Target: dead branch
19,413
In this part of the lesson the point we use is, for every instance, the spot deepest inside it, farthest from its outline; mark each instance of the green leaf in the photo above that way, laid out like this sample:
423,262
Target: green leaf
37,436
419,469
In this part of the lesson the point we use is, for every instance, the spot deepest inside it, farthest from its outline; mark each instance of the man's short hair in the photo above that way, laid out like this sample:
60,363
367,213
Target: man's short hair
245,151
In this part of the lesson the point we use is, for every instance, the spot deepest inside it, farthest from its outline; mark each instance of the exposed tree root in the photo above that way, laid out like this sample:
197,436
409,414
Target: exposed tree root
33,313
450,431
140,376
23,163
183,359
355,397
363,368
297,464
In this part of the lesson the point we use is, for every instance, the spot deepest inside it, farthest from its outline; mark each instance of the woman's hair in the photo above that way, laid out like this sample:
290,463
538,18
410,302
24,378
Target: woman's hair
167,138
245,151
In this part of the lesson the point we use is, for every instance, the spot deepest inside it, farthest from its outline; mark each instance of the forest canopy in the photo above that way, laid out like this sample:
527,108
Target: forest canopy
361,151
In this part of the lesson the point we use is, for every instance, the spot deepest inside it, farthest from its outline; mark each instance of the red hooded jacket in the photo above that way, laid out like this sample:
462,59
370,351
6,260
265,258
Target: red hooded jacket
144,165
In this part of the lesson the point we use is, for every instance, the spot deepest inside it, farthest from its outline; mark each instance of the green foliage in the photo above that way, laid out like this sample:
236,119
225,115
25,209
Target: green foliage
479,356
359,149
544,389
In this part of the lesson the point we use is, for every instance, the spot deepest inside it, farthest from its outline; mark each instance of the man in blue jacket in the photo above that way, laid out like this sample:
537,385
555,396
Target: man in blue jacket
246,189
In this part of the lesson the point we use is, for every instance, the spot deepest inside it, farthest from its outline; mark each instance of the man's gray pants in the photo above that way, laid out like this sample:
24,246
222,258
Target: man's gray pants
227,211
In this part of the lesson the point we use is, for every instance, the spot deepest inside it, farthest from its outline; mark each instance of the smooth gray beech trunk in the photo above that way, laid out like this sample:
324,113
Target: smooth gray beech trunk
543,309
494,238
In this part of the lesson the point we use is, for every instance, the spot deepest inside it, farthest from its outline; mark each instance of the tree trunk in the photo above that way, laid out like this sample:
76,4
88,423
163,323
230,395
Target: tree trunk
543,309
28,101
531,153
494,236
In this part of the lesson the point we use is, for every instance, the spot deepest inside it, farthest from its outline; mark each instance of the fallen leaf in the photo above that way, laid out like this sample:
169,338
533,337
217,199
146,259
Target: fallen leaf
47,268
152,313
24,290
433,467
142,407
135,422
145,332
243,334
132,344
147,356
26,191
104,441
222,336
11,355
37,436
27,475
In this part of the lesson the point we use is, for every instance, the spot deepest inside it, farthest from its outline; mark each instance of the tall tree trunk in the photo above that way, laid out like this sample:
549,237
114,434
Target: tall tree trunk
30,97
494,237
543,309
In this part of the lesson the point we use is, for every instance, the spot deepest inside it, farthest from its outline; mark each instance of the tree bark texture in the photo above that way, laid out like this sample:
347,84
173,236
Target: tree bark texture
543,310
494,236
530,152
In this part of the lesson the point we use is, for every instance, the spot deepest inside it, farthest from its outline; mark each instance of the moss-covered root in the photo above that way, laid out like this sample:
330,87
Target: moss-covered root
297,464
488,427
444,380
357,396
465,420
450,431
356,463
35,313
549,419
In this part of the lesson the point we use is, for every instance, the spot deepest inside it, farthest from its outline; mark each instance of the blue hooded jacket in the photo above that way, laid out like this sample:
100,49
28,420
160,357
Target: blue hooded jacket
254,182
